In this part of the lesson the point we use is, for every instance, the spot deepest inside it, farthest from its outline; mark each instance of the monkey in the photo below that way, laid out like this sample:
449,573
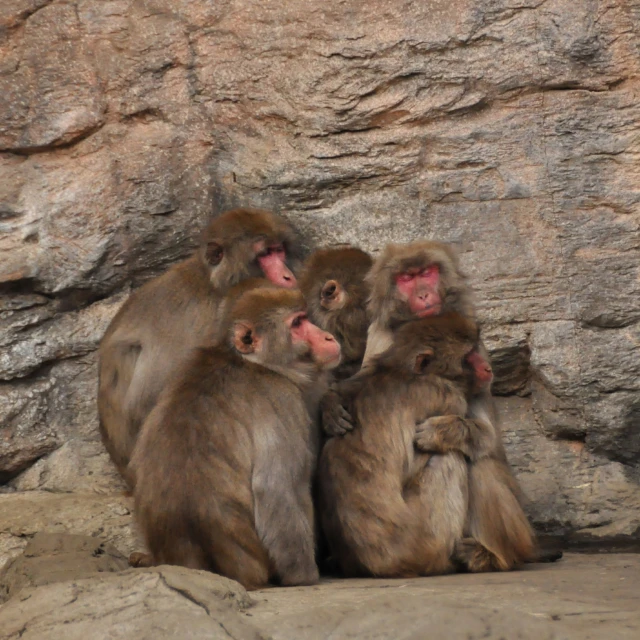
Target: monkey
388,508
334,286
396,498
409,281
152,333
422,279
224,461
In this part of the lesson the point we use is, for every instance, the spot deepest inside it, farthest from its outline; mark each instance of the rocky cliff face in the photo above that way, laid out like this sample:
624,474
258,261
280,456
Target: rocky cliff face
509,128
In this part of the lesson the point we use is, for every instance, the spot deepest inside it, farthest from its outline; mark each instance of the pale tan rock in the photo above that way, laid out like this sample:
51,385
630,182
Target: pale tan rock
23,514
152,604
57,557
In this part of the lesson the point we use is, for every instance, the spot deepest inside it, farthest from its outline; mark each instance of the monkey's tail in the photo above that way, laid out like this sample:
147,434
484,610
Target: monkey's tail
496,518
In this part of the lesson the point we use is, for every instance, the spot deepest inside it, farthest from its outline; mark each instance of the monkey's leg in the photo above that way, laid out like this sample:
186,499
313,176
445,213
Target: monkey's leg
117,369
442,500
285,524
496,519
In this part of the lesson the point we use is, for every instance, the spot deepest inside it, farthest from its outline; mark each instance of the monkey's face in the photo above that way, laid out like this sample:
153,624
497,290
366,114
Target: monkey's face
419,288
418,280
482,371
271,257
247,243
445,346
271,328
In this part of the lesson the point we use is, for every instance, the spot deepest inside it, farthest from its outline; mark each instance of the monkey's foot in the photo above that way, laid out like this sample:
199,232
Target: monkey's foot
475,557
140,559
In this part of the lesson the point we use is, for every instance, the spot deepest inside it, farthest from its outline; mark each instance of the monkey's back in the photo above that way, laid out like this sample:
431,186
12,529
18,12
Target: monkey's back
364,475
146,342
199,451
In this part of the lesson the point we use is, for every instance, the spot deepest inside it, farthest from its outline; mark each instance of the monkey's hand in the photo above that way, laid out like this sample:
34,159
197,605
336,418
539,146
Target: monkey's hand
336,420
442,434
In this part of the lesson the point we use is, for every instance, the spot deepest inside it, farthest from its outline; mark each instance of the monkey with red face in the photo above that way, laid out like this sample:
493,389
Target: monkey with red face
154,331
224,463
422,280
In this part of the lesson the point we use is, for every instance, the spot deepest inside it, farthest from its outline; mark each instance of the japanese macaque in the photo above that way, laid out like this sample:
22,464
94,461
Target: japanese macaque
224,462
395,499
333,283
151,335
410,281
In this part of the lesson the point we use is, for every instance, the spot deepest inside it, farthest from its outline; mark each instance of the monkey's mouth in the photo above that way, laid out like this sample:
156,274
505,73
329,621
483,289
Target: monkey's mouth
431,310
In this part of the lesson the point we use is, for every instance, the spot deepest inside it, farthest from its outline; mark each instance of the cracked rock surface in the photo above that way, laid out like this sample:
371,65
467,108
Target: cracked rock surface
509,128
581,597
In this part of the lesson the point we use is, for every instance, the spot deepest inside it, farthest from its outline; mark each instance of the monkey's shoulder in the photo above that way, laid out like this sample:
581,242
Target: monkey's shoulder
182,289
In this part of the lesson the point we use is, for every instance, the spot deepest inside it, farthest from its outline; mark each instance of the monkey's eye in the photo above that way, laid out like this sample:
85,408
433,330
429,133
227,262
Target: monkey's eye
298,320
214,253
405,277
277,249
430,271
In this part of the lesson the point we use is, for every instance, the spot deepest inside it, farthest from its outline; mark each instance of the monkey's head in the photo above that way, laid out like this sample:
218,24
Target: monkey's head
333,284
270,327
244,243
417,280
445,346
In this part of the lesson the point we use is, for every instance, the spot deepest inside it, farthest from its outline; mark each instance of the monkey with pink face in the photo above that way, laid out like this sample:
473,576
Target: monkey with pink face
224,463
156,328
423,280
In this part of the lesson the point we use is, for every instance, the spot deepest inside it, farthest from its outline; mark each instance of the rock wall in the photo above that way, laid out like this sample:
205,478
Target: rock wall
511,128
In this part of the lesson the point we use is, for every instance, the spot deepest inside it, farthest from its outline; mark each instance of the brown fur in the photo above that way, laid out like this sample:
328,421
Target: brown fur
224,462
150,337
495,518
345,315
387,508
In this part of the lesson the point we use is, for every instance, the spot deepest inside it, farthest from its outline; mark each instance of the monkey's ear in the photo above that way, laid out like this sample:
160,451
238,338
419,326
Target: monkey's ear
214,253
330,290
245,339
422,361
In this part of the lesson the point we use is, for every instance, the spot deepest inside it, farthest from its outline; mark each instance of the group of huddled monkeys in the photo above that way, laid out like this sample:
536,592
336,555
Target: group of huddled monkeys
270,415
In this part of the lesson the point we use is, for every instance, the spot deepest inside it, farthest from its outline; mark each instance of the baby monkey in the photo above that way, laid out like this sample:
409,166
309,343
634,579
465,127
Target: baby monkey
397,491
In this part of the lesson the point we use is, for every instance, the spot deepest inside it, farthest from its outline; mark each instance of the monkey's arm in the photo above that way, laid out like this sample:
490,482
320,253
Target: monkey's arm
336,419
475,438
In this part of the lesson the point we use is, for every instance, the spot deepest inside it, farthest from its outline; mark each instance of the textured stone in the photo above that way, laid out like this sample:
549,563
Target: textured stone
165,602
581,597
55,557
24,514
508,128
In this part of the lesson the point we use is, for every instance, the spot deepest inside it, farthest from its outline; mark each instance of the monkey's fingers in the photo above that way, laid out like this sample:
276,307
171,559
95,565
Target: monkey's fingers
336,420
340,425
425,442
